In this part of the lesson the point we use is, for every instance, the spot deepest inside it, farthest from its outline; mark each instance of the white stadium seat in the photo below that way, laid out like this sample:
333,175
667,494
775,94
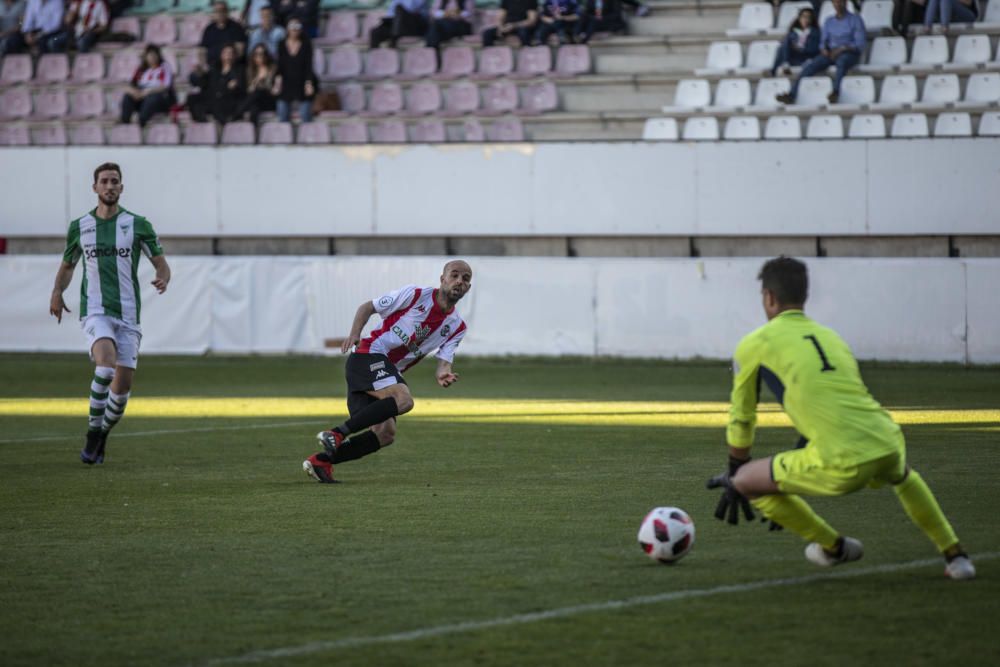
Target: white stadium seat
701,128
953,125
760,55
783,127
929,51
971,50
989,124
755,17
992,16
768,89
825,126
813,91
691,94
982,88
941,89
788,12
867,126
877,14
910,125
898,90
742,128
826,10
660,129
732,93
722,57
887,53
857,90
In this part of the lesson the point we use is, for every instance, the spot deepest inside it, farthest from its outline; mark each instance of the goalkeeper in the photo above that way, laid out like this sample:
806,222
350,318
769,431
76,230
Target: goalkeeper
852,442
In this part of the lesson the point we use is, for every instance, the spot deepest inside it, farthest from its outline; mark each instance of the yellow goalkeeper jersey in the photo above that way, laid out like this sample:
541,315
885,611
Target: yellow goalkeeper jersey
811,370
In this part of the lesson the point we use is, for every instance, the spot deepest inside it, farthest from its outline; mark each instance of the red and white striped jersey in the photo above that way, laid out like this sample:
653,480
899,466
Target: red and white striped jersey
413,326
154,77
90,14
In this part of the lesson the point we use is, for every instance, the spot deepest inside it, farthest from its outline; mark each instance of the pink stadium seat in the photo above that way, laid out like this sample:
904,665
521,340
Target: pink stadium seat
275,133
87,102
533,61
49,135
428,131
319,64
473,130
423,98
125,135
340,27
124,63
462,97
88,134
368,21
495,61
192,28
418,63
456,62
16,68
538,98
240,133
344,63
129,25
389,132
52,103
381,64
161,29
386,98
351,132
498,98
52,68
163,134
506,129
88,67
14,135
315,132
573,59
15,103
186,63
352,98
201,134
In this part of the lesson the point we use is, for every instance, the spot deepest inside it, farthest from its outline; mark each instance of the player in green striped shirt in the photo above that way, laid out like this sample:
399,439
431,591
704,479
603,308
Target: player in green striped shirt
109,239
851,441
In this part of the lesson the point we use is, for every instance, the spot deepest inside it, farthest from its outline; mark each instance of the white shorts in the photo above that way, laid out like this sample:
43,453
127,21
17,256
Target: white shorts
126,337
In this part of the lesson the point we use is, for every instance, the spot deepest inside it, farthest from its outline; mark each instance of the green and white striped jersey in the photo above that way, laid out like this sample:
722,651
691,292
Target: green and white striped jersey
110,249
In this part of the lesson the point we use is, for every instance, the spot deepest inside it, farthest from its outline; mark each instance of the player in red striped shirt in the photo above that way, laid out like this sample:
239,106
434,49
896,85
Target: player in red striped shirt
416,321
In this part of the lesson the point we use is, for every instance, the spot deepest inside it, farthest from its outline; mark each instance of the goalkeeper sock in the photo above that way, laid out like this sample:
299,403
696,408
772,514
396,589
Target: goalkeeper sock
99,395
923,510
795,514
114,410
360,445
376,413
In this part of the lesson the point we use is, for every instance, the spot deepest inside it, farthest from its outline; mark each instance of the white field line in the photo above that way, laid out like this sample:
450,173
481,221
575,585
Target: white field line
564,612
169,431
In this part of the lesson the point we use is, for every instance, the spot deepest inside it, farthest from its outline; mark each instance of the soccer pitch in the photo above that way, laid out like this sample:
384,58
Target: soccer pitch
499,529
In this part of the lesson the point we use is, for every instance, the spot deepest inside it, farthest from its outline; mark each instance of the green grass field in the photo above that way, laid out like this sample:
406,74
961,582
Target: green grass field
517,491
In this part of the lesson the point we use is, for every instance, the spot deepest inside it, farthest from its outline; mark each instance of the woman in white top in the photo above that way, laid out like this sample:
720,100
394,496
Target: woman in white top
152,89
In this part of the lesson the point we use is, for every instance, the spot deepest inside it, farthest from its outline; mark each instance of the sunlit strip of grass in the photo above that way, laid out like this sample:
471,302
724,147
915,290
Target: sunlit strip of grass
649,413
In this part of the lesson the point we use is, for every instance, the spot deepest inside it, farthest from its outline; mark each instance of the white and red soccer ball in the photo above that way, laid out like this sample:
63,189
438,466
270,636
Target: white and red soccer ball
666,534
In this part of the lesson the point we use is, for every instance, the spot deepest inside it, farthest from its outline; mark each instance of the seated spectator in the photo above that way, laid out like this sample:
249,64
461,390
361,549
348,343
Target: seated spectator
517,17
449,19
43,21
906,13
600,16
222,31
117,7
221,90
942,11
295,82
800,44
11,14
152,88
559,17
250,16
404,18
261,71
841,44
306,11
267,33
639,8
85,22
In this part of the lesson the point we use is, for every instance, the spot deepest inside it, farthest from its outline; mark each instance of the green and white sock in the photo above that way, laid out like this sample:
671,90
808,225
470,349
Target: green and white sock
99,395
115,409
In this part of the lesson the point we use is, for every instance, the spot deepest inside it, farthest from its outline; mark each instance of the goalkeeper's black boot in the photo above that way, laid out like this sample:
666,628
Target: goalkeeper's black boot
89,452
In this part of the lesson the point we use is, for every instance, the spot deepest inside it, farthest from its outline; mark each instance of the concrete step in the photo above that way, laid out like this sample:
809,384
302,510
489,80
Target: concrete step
684,23
618,63
594,94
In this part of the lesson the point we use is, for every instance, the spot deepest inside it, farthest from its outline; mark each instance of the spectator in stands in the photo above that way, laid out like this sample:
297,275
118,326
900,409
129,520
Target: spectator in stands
295,81
963,11
640,9
11,14
841,44
267,33
800,44
43,20
404,18
260,84
250,16
221,90
449,19
306,11
152,88
517,17
600,16
117,7
559,17
83,24
222,31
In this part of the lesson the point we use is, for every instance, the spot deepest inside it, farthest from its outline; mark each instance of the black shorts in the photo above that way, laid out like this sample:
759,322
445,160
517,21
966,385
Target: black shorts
368,372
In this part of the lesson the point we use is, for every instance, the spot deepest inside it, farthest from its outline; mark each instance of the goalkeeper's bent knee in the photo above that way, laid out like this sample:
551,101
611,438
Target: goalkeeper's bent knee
795,514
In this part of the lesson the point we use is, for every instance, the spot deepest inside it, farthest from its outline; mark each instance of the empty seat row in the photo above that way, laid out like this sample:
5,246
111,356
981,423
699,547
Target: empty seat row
822,126
461,97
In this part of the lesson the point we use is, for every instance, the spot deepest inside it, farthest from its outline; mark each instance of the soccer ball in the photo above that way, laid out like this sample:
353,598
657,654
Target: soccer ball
666,534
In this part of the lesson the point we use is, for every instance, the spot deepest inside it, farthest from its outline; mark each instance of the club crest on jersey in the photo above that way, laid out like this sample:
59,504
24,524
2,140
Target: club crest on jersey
385,301
445,330
421,308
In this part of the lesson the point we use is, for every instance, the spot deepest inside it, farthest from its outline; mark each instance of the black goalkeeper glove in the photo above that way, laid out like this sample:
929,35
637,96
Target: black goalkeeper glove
732,500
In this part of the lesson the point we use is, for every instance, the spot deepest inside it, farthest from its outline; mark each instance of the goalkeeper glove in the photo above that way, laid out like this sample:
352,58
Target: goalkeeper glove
732,500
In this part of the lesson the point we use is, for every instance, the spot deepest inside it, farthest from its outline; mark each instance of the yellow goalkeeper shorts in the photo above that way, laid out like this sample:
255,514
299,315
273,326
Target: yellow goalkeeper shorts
800,471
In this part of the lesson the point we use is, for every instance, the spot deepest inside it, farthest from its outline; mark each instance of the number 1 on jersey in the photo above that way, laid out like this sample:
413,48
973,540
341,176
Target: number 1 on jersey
822,355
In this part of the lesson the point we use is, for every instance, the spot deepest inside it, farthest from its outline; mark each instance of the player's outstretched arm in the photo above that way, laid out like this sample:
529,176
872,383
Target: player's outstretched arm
63,278
445,376
361,317
162,273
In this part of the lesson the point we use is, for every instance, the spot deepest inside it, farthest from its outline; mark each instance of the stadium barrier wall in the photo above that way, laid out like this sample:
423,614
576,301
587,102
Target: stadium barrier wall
818,188
887,309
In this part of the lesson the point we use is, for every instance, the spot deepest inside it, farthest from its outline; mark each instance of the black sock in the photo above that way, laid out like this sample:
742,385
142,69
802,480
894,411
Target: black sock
324,457
360,445
376,413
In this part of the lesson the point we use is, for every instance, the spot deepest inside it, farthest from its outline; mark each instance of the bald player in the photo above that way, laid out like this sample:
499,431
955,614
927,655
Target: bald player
416,321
